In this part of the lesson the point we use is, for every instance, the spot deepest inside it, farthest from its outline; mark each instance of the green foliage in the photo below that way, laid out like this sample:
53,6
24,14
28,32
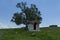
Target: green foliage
17,18
27,14
53,26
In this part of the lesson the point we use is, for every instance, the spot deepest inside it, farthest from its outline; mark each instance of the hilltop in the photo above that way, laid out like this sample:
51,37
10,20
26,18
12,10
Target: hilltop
47,33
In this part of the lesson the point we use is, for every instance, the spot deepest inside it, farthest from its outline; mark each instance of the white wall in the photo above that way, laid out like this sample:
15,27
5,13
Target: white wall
31,27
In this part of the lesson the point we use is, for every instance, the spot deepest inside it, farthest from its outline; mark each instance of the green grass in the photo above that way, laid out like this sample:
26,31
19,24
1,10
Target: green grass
48,33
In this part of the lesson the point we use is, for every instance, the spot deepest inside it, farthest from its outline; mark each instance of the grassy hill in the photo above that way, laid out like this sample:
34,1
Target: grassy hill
48,33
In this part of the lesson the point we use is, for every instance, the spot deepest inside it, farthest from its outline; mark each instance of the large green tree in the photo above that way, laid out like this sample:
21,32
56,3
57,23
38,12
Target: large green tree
26,14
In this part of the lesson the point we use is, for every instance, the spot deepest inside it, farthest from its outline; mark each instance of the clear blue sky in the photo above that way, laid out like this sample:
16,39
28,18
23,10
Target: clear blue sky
50,10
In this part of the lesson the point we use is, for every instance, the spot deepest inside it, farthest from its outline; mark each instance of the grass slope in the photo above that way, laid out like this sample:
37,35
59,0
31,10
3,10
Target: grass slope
51,33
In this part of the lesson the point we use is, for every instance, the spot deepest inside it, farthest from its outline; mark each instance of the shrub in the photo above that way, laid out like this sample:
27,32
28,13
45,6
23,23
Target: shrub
53,26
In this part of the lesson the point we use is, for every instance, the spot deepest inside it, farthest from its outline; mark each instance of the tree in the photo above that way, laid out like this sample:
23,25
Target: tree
27,14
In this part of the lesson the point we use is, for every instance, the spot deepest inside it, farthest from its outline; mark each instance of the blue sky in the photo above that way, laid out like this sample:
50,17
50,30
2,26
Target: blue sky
50,10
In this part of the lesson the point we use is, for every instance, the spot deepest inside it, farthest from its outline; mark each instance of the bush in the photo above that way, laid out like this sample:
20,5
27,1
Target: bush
53,26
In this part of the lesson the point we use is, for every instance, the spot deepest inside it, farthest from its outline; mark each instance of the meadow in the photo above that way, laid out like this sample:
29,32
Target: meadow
46,33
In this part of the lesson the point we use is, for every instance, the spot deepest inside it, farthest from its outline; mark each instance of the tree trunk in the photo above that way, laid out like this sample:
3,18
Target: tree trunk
27,27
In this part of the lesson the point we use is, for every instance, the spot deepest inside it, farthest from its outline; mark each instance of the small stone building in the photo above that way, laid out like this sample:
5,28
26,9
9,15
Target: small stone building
33,25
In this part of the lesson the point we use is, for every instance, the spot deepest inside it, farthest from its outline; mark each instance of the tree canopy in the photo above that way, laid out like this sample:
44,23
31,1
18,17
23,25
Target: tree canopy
27,14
